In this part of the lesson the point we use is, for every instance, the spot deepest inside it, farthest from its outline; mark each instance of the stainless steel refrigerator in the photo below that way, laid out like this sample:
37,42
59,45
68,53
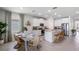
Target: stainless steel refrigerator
65,28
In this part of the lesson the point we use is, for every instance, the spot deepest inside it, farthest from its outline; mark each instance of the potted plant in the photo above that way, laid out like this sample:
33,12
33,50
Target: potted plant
73,31
2,31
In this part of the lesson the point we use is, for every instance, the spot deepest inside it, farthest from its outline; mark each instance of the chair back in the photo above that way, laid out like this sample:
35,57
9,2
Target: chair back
36,41
16,38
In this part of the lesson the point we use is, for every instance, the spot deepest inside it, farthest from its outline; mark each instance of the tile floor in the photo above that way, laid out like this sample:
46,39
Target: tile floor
68,44
8,46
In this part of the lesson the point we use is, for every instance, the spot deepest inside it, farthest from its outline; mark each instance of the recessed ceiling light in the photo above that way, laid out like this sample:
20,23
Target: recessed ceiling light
21,8
39,13
55,13
77,12
33,10
59,15
49,10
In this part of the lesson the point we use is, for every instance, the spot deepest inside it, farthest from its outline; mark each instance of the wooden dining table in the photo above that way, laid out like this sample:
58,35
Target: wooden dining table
27,37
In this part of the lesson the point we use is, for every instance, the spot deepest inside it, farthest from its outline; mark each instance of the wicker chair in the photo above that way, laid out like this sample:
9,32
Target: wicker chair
20,43
34,43
59,37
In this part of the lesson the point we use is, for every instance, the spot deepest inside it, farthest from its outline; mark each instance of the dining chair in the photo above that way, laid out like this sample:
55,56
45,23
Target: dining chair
20,43
35,42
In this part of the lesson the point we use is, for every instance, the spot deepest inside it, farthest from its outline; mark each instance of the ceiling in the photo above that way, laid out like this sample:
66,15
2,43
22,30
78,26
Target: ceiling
55,12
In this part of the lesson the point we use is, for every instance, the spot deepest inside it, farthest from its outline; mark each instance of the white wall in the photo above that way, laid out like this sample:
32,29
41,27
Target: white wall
58,22
36,21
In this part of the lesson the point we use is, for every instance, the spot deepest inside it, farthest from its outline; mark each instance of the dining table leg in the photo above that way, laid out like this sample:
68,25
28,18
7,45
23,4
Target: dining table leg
26,45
